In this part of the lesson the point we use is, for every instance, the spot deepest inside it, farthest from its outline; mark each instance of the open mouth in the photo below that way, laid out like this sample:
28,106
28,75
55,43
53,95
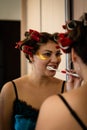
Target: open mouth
51,68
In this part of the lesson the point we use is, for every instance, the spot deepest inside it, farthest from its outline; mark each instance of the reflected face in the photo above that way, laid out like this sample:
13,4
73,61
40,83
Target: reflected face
47,55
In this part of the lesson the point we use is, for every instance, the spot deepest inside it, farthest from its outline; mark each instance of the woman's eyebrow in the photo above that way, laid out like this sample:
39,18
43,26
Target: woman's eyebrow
58,51
47,51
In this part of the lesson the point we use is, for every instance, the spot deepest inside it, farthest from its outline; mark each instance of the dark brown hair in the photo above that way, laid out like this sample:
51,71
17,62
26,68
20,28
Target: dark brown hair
34,40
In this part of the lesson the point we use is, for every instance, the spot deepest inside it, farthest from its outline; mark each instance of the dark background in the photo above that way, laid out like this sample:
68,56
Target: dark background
9,56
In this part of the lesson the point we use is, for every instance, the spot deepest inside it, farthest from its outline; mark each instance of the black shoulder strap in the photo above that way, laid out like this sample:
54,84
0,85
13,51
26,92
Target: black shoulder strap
62,90
15,89
73,113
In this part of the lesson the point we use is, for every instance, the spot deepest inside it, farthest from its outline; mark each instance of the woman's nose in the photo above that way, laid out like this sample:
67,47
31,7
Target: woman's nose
55,58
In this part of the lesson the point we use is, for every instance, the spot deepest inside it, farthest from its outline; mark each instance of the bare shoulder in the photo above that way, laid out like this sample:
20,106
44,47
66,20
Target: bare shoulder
49,113
7,91
54,113
6,87
50,103
56,102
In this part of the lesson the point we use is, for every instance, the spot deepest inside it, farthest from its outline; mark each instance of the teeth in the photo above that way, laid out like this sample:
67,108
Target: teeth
50,68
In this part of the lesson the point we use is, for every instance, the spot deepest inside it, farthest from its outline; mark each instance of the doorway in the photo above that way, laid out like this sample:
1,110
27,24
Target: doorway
9,56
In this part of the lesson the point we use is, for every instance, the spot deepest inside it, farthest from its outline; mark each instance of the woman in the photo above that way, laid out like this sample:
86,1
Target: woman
20,99
68,111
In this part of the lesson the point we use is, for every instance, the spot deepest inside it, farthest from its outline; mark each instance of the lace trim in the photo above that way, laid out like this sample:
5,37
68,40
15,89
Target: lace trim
22,108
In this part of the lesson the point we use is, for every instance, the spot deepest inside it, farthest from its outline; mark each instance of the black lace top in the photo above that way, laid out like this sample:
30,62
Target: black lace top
24,116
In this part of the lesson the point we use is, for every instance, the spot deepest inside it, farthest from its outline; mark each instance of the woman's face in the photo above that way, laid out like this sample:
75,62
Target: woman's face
47,55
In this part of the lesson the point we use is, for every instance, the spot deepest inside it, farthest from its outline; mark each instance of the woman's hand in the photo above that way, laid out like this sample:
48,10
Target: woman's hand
73,82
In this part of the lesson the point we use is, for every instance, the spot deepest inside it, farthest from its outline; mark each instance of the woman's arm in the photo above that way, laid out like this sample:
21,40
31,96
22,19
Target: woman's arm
6,105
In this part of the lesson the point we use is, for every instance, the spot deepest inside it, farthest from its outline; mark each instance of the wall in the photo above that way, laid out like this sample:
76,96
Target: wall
46,15
80,6
10,9
10,17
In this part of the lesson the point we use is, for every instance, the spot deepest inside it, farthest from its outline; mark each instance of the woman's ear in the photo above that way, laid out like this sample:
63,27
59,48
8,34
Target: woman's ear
74,56
31,58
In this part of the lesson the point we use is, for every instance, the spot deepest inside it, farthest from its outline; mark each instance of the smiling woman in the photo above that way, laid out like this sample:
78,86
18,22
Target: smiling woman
21,98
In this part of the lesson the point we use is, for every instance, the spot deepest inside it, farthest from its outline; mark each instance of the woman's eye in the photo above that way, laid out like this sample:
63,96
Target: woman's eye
58,54
44,56
47,54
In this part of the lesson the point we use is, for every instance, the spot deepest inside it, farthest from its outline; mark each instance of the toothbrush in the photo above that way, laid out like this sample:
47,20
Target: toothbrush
63,71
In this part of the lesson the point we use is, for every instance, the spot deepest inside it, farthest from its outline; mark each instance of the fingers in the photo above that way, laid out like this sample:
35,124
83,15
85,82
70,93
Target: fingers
73,83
